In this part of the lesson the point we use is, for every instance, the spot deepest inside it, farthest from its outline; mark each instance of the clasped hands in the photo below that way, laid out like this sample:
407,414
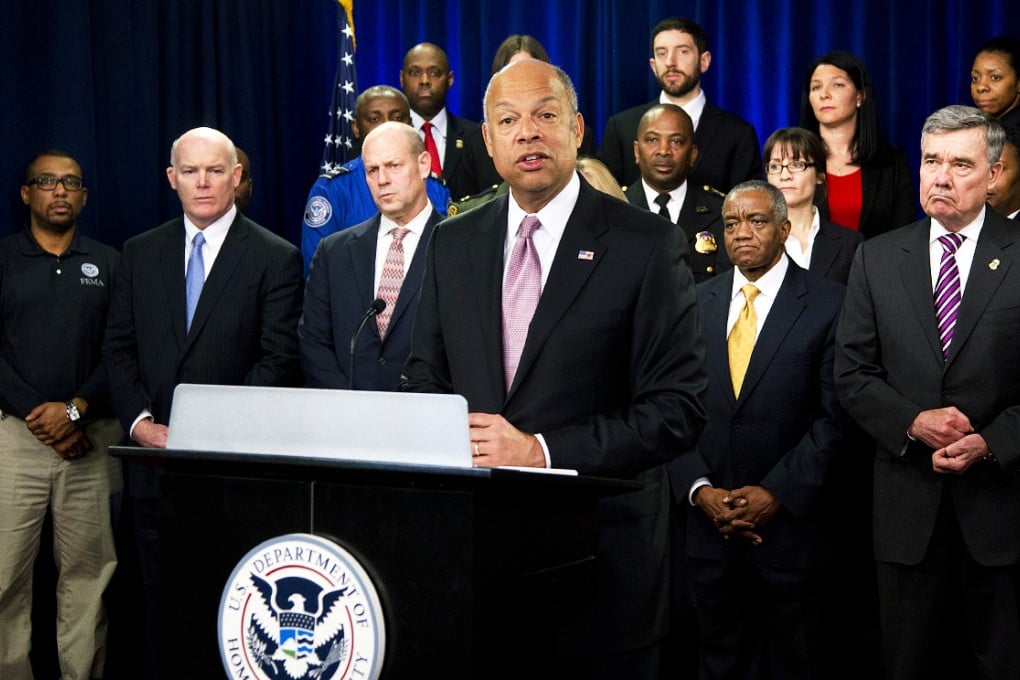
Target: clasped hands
49,423
739,512
949,432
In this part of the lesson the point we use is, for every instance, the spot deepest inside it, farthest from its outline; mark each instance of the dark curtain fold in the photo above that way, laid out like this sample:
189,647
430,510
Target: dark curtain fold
115,81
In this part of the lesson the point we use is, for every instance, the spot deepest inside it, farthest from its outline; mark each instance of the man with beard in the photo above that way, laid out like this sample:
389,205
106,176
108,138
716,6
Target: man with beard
728,145
664,152
55,421
426,78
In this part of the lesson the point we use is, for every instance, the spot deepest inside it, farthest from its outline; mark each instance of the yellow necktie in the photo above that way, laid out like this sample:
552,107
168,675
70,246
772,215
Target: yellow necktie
741,340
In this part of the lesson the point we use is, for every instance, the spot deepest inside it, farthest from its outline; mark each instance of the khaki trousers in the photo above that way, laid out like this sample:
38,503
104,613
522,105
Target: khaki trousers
77,492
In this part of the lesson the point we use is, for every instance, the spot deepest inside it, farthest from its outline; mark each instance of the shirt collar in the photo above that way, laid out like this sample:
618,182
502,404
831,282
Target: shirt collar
693,108
972,231
438,121
215,233
416,225
769,283
677,196
31,247
553,215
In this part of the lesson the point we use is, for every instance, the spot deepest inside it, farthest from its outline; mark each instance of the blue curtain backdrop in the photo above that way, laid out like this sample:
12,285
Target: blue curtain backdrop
114,81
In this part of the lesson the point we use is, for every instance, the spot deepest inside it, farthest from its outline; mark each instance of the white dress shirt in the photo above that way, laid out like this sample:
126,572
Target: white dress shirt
439,127
676,199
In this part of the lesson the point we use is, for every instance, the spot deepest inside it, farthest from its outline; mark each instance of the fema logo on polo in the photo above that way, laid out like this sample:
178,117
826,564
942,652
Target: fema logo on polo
317,212
301,607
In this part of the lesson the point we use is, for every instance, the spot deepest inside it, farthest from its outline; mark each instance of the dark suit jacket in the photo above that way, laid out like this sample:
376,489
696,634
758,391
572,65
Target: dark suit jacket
728,151
611,374
889,368
700,213
340,288
833,251
245,327
456,173
786,430
889,199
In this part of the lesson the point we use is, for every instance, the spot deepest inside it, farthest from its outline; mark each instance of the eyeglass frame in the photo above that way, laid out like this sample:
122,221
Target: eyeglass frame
789,167
38,182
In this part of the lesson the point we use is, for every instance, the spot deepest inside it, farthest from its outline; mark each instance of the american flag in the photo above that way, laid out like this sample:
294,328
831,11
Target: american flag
339,136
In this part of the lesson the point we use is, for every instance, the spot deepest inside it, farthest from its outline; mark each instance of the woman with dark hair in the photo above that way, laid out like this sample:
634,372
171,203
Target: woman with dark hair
994,81
868,181
519,46
794,161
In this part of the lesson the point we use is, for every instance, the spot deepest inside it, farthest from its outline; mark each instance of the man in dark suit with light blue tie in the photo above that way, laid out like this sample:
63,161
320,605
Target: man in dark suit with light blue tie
927,364
381,258
574,339
758,485
210,297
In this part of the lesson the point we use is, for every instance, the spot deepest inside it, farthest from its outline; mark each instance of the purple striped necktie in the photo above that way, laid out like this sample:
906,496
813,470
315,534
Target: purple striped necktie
947,290
521,290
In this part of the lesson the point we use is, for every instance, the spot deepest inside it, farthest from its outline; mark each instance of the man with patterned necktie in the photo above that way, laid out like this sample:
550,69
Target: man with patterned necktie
567,320
927,365
382,258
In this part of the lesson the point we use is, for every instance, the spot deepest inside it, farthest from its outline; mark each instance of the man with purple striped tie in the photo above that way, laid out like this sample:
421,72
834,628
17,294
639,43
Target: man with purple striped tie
926,363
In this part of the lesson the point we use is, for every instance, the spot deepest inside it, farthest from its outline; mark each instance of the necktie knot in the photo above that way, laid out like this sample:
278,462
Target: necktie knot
528,226
750,292
951,242
400,232
427,127
662,200
198,241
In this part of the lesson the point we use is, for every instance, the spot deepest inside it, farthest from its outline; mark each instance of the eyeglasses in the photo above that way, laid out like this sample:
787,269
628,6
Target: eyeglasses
774,168
49,182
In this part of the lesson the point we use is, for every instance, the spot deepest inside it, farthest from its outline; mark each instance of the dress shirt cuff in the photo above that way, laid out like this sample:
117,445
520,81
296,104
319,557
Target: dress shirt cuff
698,483
545,449
141,416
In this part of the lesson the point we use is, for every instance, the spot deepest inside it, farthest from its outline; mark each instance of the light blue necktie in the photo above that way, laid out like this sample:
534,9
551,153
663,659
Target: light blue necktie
195,278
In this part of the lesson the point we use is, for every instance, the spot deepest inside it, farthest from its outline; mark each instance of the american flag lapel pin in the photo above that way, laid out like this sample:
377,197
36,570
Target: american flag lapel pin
586,255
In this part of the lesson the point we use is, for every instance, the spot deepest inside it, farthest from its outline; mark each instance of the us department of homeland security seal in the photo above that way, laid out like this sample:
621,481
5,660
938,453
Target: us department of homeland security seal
317,212
300,607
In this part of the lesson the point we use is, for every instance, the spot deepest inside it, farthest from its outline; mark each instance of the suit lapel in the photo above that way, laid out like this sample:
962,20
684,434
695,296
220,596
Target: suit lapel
786,309
230,255
824,251
173,279
715,312
413,274
567,276
915,272
485,254
362,264
990,266
454,146
869,188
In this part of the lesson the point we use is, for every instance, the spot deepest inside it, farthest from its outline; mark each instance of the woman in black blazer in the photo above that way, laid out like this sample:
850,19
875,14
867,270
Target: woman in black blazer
794,162
870,185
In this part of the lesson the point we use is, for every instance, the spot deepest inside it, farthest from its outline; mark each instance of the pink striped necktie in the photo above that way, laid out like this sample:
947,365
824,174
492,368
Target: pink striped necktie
391,279
521,290
947,290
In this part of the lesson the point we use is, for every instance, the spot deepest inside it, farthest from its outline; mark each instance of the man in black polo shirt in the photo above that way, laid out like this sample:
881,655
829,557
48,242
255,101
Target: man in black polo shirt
56,424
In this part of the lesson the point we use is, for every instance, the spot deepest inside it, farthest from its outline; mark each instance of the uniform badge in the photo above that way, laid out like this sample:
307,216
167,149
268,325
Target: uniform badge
460,144
704,243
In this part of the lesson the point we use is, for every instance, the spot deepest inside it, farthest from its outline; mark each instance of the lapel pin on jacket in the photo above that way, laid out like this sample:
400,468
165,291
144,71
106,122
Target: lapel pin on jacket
994,264
586,255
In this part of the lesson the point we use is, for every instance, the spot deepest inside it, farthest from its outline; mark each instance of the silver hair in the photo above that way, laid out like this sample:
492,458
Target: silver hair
564,79
208,132
957,117
414,140
777,202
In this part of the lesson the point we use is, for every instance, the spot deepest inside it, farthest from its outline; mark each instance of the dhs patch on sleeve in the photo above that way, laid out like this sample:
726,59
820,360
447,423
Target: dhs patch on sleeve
300,607
318,211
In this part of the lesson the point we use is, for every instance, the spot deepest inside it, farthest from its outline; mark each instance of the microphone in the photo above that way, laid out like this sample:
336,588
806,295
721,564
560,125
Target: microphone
377,306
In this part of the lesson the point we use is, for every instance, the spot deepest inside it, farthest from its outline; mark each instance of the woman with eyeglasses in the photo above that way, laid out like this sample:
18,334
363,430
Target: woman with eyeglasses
794,161
869,184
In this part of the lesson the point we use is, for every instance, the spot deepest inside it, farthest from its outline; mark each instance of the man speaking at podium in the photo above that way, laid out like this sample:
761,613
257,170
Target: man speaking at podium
379,259
567,320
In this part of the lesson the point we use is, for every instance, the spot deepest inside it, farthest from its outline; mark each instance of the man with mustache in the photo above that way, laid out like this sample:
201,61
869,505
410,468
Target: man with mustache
664,152
55,420
426,78
728,145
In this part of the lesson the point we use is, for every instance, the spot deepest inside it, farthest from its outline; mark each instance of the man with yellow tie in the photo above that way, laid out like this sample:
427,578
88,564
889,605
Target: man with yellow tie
756,487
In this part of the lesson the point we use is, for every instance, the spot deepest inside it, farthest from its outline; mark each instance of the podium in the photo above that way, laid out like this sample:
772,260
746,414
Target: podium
480,572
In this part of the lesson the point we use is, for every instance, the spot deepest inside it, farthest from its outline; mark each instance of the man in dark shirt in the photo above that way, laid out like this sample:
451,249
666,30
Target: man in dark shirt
55,425
728,151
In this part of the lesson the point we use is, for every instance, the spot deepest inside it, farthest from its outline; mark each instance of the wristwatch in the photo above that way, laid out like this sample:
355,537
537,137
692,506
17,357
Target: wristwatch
72,412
